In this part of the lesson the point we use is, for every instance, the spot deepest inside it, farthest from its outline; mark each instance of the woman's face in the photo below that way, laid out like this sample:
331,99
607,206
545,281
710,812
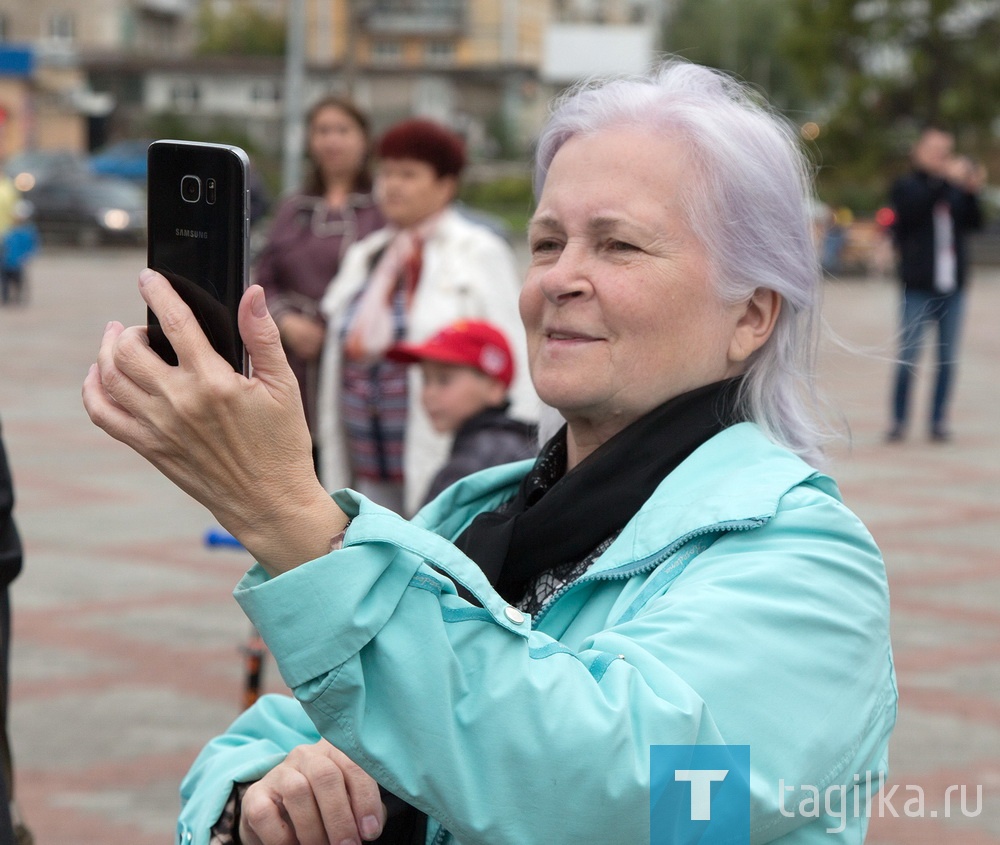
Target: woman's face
337,143
618,306
409,190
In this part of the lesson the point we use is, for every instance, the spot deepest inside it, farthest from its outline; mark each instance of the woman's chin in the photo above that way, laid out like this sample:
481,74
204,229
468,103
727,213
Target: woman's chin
567,399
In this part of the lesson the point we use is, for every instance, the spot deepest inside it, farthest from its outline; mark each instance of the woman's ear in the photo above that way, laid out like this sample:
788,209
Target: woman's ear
755,324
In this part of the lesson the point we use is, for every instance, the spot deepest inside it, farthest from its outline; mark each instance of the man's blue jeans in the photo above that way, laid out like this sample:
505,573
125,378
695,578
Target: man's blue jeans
920,309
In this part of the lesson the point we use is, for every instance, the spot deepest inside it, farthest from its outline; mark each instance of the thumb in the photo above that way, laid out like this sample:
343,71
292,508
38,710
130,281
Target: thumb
262,339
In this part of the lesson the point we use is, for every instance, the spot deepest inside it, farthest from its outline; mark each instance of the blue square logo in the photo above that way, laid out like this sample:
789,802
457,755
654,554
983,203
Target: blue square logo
699,795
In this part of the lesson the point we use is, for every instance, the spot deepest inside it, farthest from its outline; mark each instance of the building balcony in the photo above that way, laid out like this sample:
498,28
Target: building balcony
169,8
410,17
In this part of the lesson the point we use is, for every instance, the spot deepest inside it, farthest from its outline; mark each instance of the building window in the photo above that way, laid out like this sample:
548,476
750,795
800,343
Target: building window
439,52
61,26
184,95
265,93
387,51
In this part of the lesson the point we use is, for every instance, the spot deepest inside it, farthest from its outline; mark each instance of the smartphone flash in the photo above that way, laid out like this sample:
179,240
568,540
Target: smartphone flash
210,191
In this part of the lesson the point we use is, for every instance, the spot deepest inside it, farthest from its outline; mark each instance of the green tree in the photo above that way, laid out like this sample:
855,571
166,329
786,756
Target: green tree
879,69
245,30
743,37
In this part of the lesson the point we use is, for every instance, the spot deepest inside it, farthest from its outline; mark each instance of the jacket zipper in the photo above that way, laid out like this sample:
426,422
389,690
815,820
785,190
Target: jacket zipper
648,564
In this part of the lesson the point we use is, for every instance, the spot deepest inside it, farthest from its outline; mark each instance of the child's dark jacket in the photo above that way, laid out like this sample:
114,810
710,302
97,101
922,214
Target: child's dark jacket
488,439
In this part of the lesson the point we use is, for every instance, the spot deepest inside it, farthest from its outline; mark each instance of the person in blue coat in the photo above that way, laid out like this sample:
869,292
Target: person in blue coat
674,570
18,245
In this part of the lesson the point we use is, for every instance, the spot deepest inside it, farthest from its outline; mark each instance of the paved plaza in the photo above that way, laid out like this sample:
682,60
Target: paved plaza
126,653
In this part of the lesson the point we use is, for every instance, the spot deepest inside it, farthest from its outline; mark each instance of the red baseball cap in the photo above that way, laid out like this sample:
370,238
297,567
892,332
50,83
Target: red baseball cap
468,343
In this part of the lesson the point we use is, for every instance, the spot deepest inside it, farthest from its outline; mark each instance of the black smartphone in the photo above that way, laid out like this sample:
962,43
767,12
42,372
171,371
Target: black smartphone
199,227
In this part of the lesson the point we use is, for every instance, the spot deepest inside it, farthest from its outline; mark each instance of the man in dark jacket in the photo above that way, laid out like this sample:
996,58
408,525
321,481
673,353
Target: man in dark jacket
10,566
936,205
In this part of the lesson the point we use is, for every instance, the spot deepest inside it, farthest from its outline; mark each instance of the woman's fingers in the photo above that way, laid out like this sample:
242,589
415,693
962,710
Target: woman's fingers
127,364
316,796
109,395
177,321
262,819
282,810
363,792
263,342
304,804
104,411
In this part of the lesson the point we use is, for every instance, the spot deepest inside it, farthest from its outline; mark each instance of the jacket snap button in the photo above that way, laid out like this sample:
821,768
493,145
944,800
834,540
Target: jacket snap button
514,615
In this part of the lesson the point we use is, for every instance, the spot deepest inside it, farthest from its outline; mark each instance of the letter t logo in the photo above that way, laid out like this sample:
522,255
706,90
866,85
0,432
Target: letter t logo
699,794
701,781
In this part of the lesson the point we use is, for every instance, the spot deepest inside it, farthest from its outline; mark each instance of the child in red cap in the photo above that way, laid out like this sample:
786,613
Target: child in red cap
467,369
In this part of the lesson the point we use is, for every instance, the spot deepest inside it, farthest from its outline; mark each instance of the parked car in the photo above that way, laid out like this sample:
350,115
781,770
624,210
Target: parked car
88,209
32,167
126,159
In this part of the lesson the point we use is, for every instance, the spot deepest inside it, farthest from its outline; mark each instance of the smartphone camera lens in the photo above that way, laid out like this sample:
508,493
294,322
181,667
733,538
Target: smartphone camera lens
191,189
210,190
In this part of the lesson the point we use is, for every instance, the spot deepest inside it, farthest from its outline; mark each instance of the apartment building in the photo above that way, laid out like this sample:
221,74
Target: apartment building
486,67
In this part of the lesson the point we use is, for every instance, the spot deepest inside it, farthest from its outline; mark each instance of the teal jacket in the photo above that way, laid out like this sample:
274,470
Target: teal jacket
743,604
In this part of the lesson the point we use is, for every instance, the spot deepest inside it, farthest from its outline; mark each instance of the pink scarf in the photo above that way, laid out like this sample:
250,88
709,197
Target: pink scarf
371,331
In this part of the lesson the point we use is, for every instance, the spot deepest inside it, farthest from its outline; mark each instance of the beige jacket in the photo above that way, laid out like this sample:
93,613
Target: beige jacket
467,272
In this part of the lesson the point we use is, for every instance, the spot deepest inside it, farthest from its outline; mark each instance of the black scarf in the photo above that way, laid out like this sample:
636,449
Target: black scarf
560,517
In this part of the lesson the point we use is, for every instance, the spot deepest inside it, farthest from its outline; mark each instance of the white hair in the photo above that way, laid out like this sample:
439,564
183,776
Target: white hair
748,204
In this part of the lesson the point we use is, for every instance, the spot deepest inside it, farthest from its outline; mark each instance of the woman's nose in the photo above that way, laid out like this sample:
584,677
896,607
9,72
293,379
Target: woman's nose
569,276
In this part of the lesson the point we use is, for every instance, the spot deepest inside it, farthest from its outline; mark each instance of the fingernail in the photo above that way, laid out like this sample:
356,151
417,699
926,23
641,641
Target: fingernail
349,842
107,328
259,305
146,276
371,827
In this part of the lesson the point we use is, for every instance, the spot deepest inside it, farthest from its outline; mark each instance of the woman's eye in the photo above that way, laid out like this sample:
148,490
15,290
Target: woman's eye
621,246
543,245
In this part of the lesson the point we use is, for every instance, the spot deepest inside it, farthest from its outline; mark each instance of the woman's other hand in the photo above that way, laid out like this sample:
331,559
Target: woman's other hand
317,796
302,335
238,445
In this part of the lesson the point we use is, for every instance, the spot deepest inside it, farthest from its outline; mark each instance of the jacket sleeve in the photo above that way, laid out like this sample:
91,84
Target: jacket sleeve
913,198
968,211
778,642
253,745
10,541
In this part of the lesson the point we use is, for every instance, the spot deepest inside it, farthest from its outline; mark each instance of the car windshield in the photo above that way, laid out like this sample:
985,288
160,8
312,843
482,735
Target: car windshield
104,193
43,161
123,149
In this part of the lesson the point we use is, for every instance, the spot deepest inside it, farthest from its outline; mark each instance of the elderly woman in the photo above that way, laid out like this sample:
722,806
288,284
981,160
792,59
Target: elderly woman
672,571
429,267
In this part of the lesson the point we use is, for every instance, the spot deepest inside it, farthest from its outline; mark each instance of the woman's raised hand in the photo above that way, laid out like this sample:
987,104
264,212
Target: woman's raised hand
238,445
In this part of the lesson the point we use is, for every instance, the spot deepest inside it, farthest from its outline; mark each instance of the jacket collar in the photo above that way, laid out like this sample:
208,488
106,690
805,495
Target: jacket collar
736,478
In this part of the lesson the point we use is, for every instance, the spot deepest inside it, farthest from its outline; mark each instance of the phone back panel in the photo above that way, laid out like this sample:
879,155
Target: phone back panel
198,218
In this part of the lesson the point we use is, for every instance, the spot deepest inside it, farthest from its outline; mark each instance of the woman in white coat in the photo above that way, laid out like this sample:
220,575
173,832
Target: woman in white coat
428,268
